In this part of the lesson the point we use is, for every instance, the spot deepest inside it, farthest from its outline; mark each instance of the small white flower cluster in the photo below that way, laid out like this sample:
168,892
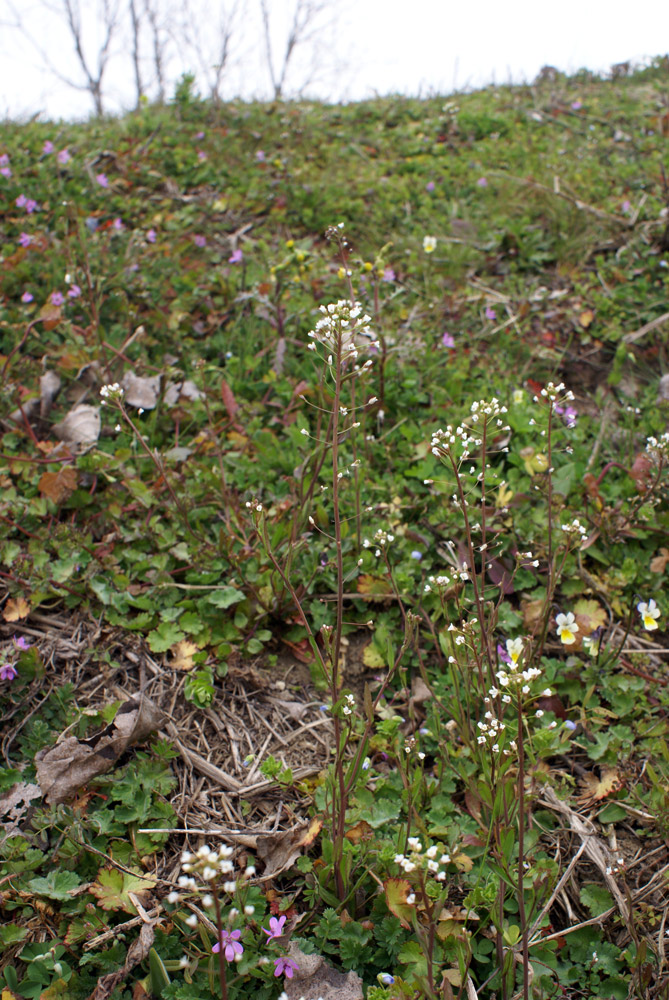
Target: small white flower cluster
254,505
488,409
437,583
512,675
349,704
658,448
421,859
615,868
489,732
341,328
111,392
208,864
441,440
574,528
554,392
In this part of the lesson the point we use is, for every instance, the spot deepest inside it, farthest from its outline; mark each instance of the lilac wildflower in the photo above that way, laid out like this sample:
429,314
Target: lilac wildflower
21,201
576,105
63,156
200,241
490,313
447,340
73,292
27,297
6,171
568,413
21,642
102,180
48,147
201,155
25,239
56,299
31,206
416,555
429,186
230,944
8,672
482,182
388,274
626,206
117,224
235,257
5,168
275,927
502,654
4,160
285,966
199,135
260,156
151,236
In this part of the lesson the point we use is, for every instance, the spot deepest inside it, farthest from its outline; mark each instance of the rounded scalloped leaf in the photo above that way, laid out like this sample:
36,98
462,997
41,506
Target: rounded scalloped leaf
112,889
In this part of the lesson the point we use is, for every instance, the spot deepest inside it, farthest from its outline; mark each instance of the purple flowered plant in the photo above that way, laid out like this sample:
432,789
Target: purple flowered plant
285,966
102,180
482,182
447,340
388,274
31,206
56,299
73,292
21,642
502,654
27,297
151,236
276,927
490,313
25,239
235,257
21,201
48,147
568,414
63,156
230,944
8,672
429,186
200,241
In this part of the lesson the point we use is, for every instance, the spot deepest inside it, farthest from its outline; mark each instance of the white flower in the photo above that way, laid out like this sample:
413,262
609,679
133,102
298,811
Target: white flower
566,628
192,920
514,648
429,244
649,614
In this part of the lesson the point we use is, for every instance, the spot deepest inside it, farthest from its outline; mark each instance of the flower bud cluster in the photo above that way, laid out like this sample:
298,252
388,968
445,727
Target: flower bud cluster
658,448
437,583
208,865
554,392
489,731
111,393
574,528
432,860
513,676
341,328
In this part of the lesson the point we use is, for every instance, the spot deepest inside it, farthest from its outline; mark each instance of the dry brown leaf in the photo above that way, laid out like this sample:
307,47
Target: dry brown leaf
182,655
15,608
58,486
532,612
14,804
71,763
315,978
140,392
659,563
49,387
81,426
586,318
593,789
361,831
279,850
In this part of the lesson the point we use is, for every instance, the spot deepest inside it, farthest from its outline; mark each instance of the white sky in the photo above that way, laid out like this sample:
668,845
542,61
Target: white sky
381,46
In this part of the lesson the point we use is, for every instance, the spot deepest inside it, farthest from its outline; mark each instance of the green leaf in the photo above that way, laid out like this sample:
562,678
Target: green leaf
56,885
225,598
112,887
12,934
164,637
597,899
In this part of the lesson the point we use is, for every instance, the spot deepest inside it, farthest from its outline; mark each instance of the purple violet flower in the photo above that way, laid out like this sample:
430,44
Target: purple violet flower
118,225
27,297
7,673
200,241
4,160
73,292
31,206
502,654
25,239
429,186
235,257
6,171
230,944
482,182
388,274
151,236
56,299
260,156
490,313
276,927
21,201
285,966
48,147
63,156
102,180
568,414
21,642
447,340
576,105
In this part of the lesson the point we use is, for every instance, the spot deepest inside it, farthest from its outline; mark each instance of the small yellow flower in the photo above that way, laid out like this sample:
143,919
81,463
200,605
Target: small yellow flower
649,614
429,244
566,628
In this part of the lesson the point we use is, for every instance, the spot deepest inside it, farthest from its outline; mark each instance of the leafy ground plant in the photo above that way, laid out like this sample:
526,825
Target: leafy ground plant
333,546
